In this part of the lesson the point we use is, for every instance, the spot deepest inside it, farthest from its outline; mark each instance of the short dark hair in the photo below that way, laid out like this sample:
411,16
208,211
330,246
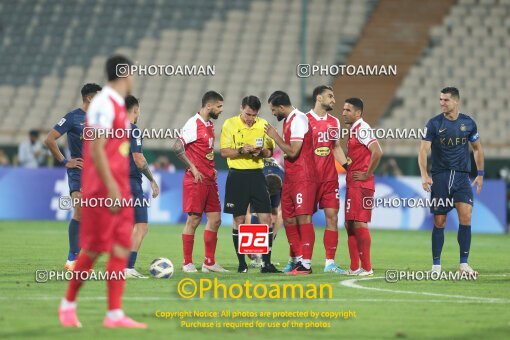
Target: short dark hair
453,91
356,102
320,90
211,96
278,98
131,101
251,101
274,184
33,133
89,89
114,65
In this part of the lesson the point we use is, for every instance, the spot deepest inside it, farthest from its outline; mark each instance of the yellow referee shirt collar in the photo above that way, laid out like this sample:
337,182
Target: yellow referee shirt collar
257,120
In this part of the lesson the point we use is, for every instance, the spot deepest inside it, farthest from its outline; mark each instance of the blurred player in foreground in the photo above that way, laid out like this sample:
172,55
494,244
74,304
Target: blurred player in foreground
448,136
138,166
200,188
72,124
326,146
105,175
299,184
363,156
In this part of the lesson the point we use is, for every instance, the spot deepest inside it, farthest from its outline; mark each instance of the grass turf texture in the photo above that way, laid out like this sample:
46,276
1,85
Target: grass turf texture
29,309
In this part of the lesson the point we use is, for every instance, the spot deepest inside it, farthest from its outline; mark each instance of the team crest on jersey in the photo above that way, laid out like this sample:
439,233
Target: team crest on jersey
210,156
323,151
124,149
462,127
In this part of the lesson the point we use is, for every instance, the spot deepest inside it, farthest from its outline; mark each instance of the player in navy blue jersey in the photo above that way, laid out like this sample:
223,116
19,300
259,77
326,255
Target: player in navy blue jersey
448,136
274,178
138,166
72,124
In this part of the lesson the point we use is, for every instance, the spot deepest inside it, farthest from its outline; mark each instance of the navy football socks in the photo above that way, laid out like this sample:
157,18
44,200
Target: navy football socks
464,239
437,244
74,247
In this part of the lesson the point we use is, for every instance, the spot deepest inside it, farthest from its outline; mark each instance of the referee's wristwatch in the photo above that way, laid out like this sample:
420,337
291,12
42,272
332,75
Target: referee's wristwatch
240,150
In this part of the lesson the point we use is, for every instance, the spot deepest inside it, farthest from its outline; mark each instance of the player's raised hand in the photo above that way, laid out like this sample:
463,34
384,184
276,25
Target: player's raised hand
270,131
114,195
155,189
197,174
359,175
426,182
479,183
75,163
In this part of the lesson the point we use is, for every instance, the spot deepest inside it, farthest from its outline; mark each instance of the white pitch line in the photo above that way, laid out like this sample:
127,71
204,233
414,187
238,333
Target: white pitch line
159,298
352,284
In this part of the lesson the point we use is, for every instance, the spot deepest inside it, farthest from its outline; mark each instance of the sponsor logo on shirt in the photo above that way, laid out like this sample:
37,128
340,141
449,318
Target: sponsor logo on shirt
322,151
124,148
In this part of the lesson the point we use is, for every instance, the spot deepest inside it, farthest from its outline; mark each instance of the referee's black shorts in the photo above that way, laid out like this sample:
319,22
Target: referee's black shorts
245,187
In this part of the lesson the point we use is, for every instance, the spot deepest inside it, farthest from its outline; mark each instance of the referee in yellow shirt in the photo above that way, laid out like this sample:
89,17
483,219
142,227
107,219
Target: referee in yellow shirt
245,145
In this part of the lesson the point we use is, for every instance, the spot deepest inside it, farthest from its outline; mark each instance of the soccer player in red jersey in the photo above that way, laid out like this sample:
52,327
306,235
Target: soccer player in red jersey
363,156
105,176
299,183
326,147
200,189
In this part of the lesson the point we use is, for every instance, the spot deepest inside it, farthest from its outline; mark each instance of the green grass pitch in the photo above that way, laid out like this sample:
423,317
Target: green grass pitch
410,309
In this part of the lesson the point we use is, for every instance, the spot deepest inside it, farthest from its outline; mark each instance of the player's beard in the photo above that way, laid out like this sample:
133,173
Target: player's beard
280,116
213,115
327,107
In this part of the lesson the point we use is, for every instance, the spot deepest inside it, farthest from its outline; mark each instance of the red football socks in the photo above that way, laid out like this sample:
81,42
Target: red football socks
115,267
83,264
210,240
330,243
293,237
352,243
187,248
307,240
363,241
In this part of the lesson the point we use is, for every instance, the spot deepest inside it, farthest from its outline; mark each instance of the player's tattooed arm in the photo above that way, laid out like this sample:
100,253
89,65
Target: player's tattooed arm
480,166
426,181
143,166
178,148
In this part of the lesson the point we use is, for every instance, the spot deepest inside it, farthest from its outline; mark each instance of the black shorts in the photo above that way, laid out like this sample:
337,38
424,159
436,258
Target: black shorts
275,201
246,187
448,185
140,208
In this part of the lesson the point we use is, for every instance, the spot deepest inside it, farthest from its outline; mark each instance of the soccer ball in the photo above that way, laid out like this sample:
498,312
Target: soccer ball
161,268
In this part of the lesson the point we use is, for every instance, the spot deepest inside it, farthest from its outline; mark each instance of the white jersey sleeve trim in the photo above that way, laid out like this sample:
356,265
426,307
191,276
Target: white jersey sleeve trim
190,131
366,135
101,113
298,127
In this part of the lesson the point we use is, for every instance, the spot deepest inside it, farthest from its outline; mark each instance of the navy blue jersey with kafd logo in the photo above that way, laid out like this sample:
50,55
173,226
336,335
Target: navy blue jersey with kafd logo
450,142
73,124
272,167
136,146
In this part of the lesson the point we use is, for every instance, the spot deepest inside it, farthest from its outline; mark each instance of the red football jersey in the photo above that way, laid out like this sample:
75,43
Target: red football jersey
361,137
107,112
323,145
300,168
198,139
